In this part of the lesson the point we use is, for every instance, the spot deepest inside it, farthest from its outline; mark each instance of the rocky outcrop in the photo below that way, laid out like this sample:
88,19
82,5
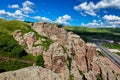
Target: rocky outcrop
68,56
18,36
30,39
30,73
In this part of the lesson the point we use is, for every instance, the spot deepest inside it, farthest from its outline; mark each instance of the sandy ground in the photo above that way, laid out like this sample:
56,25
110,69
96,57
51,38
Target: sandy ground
112,65
113,50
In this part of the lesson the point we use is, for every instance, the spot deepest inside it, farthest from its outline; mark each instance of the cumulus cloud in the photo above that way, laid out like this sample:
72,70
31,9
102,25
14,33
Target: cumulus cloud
63,19
94,23
20,13
108,21
13,6
28,4
91,8
87,8
111,17
112,20
2,12
16,15
28,7
44,19
27,10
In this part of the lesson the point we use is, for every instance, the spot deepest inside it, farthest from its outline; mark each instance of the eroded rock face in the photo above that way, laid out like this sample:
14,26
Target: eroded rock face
30,39
18,36
30,73
68,55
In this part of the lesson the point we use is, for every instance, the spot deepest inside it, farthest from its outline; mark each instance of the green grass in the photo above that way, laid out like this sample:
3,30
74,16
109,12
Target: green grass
1,20
99,33
98,77
10,48
71,77
112,45
8,27
101,53
46,43
39,60
118,53
28,57
69,62
13,65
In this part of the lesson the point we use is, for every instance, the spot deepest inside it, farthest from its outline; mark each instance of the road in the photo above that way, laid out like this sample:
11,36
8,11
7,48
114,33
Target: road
115,59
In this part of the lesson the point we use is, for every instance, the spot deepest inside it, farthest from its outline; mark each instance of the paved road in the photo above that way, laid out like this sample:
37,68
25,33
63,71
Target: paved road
115,59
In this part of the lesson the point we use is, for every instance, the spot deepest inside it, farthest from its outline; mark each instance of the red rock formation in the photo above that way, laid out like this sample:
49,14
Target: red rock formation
83,59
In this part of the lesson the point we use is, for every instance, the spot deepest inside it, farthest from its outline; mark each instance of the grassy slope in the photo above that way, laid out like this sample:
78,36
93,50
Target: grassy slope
8,45
6,30
9,26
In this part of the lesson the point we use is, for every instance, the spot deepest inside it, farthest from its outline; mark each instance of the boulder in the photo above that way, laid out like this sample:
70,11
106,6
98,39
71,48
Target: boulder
30,73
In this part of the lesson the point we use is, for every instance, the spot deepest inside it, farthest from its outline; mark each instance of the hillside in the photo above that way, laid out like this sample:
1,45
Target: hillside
62,54
9,48
98,33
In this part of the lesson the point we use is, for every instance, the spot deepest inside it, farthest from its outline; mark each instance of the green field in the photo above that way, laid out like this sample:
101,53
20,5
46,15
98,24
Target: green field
99,33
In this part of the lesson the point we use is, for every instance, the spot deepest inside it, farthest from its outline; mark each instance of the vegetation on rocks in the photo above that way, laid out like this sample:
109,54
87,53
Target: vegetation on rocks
39,60
46,43
12,65
10,48
71,77
98,77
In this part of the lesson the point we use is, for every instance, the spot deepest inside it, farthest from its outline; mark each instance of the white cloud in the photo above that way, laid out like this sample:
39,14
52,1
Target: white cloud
109,21
13,6
112,20
44,19
2,12
94,23
19,13
86,8
28,7
27,10
91,8
115,22
111,17
28,4
63,19
16,15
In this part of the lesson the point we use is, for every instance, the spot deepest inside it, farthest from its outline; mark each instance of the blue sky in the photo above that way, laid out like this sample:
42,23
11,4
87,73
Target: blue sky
90,13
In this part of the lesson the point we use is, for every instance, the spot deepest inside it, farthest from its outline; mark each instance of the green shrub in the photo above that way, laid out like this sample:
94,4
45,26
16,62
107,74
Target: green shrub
13,65
80,72
98,77
46,43
39,61
71,77
18,51
69,62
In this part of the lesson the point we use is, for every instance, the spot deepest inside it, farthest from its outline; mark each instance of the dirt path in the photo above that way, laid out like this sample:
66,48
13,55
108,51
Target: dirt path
6,59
